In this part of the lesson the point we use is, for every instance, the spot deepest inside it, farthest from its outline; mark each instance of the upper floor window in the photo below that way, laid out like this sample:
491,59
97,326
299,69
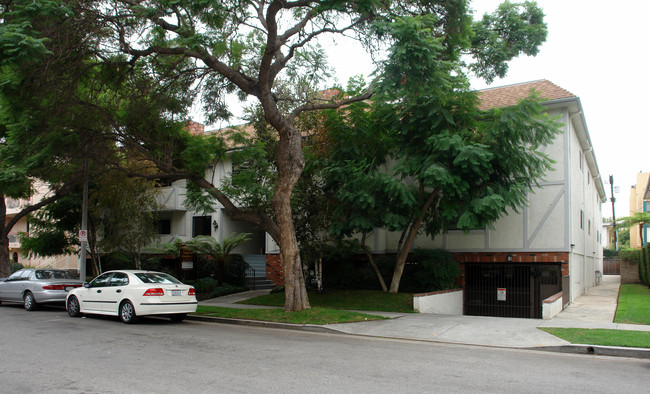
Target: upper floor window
201,225
582,219
581,159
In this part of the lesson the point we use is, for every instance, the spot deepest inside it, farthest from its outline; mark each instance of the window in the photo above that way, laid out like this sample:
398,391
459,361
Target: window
119,279
581,158
582,219
164,226
102,280
201,225
589,227
156,277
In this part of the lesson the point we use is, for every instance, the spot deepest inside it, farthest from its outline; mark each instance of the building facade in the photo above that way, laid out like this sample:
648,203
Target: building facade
640,202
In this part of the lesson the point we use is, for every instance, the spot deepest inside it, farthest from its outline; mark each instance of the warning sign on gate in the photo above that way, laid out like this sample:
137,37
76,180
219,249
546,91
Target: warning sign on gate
501,294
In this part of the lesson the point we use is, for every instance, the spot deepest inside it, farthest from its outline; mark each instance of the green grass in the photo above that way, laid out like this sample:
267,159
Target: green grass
633,305
318,316
359,300
602,337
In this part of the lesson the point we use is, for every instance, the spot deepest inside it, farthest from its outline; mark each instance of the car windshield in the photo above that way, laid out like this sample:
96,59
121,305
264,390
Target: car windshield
156,277
53,274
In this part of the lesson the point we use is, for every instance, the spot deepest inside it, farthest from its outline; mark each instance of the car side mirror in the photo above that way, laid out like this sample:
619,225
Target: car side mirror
87,285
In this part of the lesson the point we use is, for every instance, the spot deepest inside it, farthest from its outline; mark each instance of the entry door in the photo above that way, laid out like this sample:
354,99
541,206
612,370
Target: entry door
114,292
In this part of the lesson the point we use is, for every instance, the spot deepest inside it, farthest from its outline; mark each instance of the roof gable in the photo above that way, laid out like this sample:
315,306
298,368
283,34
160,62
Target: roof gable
510,95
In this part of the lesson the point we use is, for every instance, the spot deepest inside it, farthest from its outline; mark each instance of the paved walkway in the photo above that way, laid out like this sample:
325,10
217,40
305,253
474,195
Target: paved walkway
595,309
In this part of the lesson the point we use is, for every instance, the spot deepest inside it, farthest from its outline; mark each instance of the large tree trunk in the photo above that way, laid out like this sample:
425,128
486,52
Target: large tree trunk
290,162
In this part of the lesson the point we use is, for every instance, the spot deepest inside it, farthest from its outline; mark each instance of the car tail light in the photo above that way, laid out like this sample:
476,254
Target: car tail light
154,292
59,287
191,292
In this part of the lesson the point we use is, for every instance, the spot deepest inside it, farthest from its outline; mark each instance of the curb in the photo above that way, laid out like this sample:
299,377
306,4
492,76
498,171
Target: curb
594,350
263,324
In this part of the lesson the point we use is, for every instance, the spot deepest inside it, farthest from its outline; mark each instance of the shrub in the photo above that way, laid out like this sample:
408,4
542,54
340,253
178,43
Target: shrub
430,270
629,255
14,266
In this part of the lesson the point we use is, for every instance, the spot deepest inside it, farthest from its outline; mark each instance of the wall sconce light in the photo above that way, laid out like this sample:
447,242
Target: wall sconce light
509,258
215,225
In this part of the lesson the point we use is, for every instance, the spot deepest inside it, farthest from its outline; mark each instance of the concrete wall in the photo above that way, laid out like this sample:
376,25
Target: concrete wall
552,306
446,302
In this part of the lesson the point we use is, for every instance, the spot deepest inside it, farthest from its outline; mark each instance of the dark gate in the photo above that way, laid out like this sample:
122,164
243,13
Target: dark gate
510,290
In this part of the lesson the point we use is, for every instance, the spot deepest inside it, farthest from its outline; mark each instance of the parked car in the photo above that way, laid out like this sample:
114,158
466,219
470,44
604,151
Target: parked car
32,287
130,294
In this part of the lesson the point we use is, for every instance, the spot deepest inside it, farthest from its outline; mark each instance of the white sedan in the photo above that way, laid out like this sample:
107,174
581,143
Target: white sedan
133,293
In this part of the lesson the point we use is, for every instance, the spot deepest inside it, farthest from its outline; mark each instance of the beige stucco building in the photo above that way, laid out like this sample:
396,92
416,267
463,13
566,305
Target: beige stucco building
640,202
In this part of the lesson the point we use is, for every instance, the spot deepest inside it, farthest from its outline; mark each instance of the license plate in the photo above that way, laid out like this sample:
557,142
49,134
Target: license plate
177,292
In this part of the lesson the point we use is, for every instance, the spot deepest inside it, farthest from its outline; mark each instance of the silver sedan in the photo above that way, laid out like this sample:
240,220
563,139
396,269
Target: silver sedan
32,287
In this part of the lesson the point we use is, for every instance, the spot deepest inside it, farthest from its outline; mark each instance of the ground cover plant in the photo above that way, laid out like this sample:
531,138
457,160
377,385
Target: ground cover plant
603,337
633,301
360,300
314,315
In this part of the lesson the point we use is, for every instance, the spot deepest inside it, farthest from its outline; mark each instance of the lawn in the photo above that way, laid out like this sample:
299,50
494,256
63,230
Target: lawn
633,305
310,316
356,300
602,337
633,308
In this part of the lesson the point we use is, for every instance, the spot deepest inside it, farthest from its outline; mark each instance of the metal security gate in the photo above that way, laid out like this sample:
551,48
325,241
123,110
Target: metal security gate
509,290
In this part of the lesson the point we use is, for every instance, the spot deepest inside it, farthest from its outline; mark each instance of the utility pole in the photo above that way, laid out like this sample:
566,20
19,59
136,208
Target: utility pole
613,200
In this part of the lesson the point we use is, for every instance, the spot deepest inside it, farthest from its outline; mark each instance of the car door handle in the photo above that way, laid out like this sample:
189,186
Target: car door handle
118,291
99,291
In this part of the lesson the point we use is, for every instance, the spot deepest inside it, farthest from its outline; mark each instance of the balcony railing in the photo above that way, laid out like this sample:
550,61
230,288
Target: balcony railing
171,198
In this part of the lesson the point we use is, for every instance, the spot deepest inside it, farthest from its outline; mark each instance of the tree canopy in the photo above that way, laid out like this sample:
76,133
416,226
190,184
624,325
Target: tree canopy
270,51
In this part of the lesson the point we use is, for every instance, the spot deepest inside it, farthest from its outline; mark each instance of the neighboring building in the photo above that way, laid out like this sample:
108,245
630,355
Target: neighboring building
15,252
640,202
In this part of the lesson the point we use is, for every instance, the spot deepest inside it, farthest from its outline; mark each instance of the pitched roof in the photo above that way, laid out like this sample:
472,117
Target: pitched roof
506,96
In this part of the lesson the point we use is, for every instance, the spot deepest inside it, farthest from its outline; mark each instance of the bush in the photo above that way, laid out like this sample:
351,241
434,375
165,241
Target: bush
208,287
629,255
610,253
14,266
425,270
430,270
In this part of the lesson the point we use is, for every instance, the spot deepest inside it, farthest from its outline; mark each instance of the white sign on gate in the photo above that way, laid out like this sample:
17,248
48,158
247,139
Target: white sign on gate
501,294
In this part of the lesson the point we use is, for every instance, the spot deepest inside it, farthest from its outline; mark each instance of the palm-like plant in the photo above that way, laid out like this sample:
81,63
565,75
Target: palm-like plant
220,252
637,219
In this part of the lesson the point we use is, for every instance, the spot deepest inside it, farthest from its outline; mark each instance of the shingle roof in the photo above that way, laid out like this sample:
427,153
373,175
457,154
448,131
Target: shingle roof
506,96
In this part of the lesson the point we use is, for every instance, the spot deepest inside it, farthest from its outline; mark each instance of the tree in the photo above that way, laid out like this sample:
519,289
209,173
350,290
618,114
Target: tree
125,210
434,159
269,51
638,219
219,252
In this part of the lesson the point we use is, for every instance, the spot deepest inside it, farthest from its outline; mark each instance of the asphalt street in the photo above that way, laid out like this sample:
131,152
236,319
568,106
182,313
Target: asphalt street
47,351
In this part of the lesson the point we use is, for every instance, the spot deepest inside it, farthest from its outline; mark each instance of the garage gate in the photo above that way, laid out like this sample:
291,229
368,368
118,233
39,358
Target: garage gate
510,290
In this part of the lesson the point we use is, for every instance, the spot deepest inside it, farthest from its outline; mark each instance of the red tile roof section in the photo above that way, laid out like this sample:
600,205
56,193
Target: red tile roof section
507,96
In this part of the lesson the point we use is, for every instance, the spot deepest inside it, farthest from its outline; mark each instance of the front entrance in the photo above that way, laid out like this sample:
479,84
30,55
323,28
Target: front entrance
510,290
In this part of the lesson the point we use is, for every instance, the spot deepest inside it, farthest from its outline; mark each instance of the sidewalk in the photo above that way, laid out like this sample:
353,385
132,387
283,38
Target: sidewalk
596,309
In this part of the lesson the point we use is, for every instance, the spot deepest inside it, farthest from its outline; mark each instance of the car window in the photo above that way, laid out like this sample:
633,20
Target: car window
53,274
156,277
26,274
16,275
102,280
40,274
119,279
